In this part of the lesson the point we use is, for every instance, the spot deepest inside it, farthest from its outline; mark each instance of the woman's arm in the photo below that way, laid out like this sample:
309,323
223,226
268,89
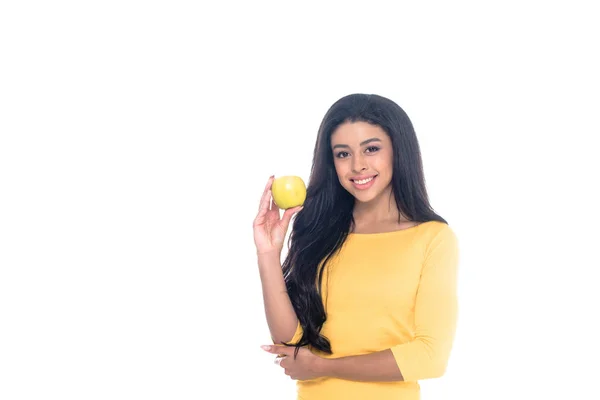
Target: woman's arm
380,366
270,229
281,317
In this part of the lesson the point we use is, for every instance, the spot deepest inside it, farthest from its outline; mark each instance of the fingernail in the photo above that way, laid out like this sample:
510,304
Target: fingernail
265,347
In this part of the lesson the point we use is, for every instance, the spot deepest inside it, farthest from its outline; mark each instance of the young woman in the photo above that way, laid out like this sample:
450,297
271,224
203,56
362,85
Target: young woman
365,304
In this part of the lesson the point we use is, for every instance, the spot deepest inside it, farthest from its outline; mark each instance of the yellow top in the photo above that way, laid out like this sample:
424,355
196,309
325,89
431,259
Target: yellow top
393,290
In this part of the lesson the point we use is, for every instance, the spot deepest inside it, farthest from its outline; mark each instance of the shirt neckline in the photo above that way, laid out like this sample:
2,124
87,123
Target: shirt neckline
412,228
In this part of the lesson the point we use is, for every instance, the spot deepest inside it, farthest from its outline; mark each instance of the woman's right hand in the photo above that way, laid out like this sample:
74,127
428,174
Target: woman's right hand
269,228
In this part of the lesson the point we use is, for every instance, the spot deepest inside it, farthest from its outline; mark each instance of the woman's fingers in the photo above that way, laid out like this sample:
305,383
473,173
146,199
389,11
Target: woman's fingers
279,359
288,214
273,205
269,183
264,200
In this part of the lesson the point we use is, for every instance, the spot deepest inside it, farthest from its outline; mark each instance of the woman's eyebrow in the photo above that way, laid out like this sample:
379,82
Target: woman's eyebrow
362,143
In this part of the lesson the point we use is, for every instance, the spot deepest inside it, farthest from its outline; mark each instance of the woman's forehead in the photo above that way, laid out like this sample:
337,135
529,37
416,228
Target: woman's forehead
357,132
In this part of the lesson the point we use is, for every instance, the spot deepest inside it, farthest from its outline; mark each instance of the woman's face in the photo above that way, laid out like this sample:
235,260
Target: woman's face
363,157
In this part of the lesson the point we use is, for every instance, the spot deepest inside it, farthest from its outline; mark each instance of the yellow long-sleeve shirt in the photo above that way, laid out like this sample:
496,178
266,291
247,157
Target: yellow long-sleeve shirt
393,290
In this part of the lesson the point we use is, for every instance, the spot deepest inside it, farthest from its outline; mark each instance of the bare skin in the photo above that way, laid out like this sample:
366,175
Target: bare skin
269,234
374,367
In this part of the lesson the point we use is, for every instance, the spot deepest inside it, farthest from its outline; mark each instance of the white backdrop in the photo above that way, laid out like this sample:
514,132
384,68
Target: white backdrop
136,139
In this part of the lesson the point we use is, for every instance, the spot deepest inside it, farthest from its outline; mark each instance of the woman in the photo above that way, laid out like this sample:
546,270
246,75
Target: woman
365,304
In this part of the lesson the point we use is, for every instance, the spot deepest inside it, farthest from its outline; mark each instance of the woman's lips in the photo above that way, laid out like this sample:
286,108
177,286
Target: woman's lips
367,183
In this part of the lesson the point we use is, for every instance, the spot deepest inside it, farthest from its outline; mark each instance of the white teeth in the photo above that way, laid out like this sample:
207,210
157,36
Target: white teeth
363,181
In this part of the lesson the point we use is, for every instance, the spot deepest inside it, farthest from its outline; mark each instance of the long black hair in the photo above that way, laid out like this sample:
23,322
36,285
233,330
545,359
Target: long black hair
322,226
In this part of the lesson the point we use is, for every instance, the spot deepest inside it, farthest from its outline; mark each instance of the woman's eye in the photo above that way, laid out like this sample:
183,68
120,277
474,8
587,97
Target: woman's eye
342,154
373,149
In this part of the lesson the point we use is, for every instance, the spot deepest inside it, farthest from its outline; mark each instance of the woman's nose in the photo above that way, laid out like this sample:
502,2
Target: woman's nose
359,164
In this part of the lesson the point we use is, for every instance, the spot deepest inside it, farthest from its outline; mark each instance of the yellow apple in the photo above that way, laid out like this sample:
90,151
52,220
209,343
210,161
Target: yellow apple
288,191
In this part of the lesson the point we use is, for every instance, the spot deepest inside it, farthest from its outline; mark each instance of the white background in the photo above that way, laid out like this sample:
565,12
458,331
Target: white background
136,139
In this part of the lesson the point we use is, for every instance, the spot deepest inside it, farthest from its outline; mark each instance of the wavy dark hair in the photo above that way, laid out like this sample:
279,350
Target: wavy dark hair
322,226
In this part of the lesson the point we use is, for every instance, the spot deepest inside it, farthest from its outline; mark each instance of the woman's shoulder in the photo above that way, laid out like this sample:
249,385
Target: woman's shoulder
438,234
437,229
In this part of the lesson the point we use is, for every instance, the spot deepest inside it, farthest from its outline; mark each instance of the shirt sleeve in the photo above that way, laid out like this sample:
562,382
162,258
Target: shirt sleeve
297,335
436,307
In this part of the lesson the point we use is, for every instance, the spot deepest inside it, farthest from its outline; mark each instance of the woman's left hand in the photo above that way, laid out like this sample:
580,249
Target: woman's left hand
306,365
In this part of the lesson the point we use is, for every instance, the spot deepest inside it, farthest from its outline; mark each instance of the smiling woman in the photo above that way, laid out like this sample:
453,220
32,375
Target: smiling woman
365,304
363,158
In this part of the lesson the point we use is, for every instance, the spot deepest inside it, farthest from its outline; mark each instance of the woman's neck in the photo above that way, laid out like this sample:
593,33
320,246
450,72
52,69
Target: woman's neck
381,210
